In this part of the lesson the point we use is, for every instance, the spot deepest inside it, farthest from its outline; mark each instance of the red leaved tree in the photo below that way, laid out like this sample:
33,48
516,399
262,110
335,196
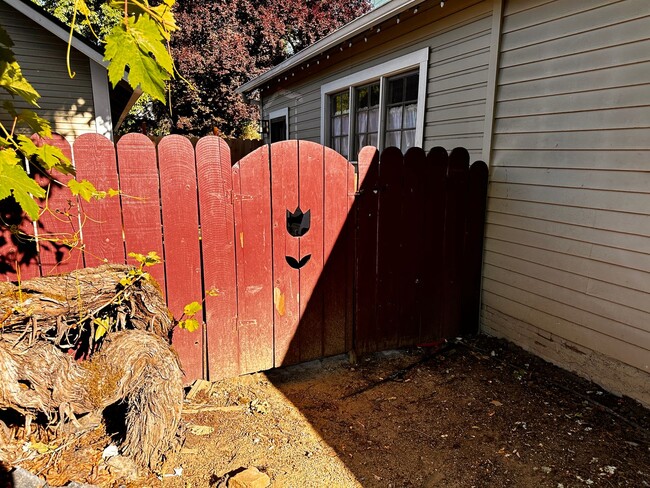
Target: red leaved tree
224,43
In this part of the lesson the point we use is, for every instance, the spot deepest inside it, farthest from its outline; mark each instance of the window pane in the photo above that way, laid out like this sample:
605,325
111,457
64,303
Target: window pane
362,121
372,139
336,144
345,102
345,124
374,95
408,140
344,146
410,116
394,119
362,97
392,139
336,126
373,119
361,141
411,88
395,89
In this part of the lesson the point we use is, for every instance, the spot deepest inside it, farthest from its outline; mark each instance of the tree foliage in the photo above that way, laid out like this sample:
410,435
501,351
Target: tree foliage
138,43
227,42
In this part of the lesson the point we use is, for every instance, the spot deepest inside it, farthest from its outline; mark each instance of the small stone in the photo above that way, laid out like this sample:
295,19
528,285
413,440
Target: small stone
249,478
21,478
546,469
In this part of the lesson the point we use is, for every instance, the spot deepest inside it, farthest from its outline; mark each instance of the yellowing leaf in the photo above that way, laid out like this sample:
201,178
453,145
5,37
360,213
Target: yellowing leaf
191,308
189,324
212,292
41,447
29,118
113,193
85,189
47,155
103,325
149,260
13,81
14,181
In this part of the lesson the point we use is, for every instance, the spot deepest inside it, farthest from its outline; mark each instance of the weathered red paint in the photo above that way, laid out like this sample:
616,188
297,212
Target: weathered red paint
217,241
140,198
253,249
182,255
60,224
101,219
286,280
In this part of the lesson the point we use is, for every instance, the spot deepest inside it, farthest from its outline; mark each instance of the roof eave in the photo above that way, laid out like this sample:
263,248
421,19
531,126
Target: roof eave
349,30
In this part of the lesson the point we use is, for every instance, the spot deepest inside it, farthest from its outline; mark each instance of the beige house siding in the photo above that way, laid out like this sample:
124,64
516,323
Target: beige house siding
567,250
458,38
66,103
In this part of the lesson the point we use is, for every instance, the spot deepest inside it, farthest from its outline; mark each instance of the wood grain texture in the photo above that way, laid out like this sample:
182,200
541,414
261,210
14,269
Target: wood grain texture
213,162
311,192
253,244
390,260
61,223
286,280
139,184
180,218
95,161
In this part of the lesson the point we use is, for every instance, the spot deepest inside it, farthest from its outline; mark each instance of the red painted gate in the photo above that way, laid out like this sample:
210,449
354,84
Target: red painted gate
309,259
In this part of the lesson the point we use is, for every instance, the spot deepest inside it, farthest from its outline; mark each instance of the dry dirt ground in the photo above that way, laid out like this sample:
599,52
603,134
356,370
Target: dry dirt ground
480,413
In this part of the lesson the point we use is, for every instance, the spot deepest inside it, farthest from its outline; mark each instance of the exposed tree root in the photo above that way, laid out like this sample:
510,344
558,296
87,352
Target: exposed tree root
132,363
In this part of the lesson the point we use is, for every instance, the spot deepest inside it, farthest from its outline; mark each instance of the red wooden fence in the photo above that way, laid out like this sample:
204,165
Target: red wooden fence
307,261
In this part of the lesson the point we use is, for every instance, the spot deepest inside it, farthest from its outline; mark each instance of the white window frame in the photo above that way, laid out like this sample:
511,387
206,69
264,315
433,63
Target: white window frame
276,114
409,62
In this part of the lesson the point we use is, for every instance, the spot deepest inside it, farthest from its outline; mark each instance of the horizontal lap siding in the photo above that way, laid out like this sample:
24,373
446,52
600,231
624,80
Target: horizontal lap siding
567,252
66,103
458,37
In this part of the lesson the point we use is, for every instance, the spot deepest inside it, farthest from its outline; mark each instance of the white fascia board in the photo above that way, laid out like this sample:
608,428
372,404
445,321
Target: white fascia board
356,27
57,30
101,100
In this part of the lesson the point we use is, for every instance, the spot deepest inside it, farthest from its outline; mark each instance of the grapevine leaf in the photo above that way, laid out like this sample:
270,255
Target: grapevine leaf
152,258
37,124
47,156
166,18
103,326
121,51
189,324
5,39
84,188
191,308
83,8
113,193
14,181
148,38
12,79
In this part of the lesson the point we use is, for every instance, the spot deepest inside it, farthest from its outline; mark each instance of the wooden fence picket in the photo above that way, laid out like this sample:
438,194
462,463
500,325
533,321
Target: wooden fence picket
180,219
95,161
394,253
217,242
140,198
61,221
253,250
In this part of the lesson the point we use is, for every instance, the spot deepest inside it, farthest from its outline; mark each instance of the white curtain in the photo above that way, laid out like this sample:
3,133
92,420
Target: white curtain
410,116
394,119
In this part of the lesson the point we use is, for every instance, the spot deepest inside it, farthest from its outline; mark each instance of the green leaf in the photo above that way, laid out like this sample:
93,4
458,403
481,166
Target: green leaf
122,50
148,38
5,39
85,189
189,324
15,181
30,118
191,308
13,81
47,156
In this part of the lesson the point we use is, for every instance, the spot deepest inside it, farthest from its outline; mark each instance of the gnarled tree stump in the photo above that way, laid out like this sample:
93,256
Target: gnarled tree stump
48,324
